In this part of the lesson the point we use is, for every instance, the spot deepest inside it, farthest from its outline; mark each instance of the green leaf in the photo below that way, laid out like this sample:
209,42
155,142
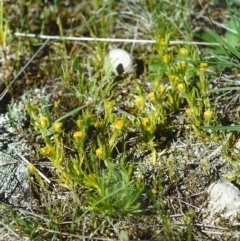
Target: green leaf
232,34
70,113
223,89
221,128
123,235
224,43
156,66
108,68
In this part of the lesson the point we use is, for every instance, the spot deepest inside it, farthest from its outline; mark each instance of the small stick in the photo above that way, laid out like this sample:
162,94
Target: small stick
143,41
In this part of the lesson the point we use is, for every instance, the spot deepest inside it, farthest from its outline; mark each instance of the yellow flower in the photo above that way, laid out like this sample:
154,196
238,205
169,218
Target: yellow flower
119,124
175,78
147,125
140,101
57,126
207,114
97,124
35,107
90,117
152,96
161,89
183,52
56,103
154,191
166,58
149,129
79,123
43,120
189,111
181,87
99,152
77,134
110,104
203,65
162,41
183,65
47,149
31,168
144,121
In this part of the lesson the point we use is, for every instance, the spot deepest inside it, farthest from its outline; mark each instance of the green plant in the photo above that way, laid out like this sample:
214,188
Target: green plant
115,194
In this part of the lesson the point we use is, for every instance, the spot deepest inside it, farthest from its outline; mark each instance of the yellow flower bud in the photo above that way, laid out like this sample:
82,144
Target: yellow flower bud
162,41
79,123
152,96
189,111
181,87
57,126
56,103
89,117
183,52
43,120
161,89
119,124
207,114
183,65
203,65
145,121
149,129
140,101
47,149
110,104
97,124
99,152
31,168
77,134
175,78
166,58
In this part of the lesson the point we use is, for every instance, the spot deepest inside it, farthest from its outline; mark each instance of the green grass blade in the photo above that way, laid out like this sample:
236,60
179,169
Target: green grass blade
223,89
70,113
224,43
221,128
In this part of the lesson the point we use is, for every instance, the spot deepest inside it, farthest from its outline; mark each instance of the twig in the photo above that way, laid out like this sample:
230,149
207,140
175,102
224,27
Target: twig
143,41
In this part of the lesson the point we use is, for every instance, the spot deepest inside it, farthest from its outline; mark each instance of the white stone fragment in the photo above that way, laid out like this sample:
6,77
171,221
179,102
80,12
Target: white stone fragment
116,60
224,199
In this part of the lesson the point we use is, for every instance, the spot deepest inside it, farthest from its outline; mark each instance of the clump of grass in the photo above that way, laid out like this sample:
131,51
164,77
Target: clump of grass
107,183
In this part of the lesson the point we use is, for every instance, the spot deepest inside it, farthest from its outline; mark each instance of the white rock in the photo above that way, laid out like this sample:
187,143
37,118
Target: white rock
118,61
224,199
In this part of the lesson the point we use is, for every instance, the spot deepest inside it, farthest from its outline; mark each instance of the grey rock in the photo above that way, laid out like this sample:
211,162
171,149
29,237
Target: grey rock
14,181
